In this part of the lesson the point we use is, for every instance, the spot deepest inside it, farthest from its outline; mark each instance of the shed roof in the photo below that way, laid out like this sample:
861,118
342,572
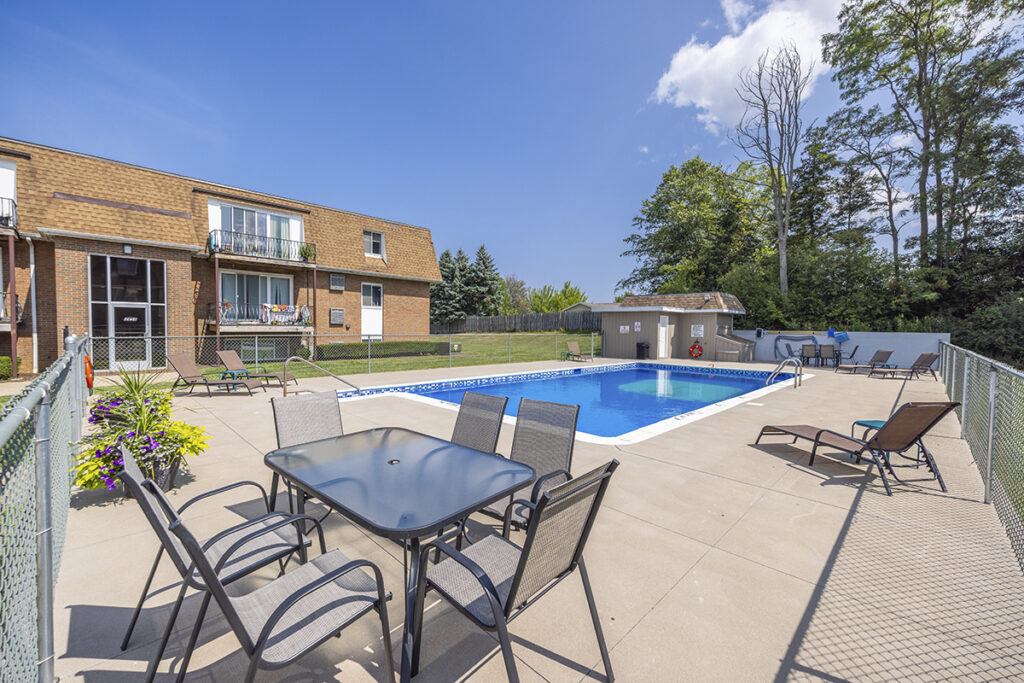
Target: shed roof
690,302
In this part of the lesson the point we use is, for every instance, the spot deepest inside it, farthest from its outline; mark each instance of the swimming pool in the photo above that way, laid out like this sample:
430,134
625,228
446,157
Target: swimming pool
615,400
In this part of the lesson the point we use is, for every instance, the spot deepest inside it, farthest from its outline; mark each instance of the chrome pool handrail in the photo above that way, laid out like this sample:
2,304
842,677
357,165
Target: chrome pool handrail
798,374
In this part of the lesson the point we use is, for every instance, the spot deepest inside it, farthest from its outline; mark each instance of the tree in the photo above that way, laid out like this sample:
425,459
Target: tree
547,299
483,285
771,130
447,296
515,299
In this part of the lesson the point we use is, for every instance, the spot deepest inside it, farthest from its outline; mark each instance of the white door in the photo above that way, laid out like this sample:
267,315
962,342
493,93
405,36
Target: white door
663,350
372,318
130,344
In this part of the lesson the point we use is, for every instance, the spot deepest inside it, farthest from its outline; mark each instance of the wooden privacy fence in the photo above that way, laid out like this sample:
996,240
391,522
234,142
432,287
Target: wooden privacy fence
585,321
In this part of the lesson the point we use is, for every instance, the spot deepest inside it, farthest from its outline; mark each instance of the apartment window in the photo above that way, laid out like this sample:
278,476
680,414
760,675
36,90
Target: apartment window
373,296
238,219
243,294
373,243
127,296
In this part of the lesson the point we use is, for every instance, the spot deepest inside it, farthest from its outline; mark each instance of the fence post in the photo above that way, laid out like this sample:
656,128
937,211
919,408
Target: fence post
993,396
256,344
44,541
69,345
449,350
510,348
591,344
963,397
556,346
369,344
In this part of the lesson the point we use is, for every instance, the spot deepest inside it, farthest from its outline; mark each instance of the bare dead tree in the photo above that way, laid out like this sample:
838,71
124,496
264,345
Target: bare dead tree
771,129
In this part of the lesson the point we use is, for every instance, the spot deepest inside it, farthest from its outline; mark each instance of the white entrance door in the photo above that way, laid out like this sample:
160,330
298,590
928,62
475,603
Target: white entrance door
130,342
663,350
372,318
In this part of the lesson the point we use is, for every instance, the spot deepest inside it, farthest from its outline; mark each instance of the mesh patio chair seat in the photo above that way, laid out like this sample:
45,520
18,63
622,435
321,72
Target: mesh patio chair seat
479,422
880,358
919,367
544,438
234,365
827,354
493,581
190,376
808,353
283,620
232,550
575,353
904,430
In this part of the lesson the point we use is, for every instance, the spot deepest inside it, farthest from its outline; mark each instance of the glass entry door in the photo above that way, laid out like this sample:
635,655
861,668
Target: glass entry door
131,344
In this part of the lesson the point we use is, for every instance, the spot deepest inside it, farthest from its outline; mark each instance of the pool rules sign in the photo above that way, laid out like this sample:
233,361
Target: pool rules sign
697,331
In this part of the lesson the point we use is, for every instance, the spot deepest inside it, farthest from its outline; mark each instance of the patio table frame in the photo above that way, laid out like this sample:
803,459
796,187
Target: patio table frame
517,474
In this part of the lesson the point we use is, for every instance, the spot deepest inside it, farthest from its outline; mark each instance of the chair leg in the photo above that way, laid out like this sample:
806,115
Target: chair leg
142,599
597,623
158,655
933,466
385,627
506,652
192,639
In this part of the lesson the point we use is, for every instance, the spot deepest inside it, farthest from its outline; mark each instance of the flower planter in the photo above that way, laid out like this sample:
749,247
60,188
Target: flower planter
165,479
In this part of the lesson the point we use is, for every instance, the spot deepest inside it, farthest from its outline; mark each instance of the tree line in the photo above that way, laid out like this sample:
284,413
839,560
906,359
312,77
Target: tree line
902,210
476,287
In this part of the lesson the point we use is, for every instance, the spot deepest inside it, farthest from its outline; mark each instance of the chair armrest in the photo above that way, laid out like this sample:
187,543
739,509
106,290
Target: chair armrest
472,567
291,519
536,492
222,489
261,368
311,588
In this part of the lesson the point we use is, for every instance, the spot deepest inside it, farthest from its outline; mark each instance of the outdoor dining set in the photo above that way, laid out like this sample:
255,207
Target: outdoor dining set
415,490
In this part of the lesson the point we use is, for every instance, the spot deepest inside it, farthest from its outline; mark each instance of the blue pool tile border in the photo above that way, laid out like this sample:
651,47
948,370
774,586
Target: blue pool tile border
493,380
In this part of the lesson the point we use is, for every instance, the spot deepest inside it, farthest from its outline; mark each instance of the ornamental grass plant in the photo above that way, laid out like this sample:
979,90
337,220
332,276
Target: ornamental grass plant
135,417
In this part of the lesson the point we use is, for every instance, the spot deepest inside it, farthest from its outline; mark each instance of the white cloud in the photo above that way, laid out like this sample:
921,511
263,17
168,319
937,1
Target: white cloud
643,149
735,12
704,75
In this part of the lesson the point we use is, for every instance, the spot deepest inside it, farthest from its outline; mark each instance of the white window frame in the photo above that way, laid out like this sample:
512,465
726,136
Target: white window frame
383,251
362,295
232,271
296,226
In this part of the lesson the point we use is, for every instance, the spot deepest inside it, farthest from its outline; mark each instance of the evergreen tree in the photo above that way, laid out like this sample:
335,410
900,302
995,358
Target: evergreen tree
446,297
483,284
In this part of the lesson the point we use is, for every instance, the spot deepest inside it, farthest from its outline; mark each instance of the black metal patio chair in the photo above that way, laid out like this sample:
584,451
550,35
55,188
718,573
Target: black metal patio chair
493,581
285,619
479,422
259,551
303,419
544,439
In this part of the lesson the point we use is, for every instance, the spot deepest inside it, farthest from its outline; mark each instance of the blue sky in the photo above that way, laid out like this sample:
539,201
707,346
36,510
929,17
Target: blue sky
534,128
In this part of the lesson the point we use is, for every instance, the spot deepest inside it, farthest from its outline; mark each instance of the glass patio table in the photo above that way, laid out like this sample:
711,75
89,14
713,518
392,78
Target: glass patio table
401,485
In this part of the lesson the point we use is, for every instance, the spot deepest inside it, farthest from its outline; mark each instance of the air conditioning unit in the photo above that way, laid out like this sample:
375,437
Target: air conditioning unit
337,282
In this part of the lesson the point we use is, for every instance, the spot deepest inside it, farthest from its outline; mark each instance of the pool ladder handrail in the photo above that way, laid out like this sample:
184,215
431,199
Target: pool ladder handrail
326,372
798,374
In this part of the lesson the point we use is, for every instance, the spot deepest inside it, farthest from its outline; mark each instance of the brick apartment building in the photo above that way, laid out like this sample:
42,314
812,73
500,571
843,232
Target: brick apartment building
120,251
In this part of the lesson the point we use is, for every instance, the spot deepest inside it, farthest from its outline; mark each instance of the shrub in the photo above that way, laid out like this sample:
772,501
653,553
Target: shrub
5,367
356,350
135,417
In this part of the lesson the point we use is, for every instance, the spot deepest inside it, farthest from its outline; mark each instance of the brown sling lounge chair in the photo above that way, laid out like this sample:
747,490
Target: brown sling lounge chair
901,432
190,376
236,368
879,359
920,366
574,352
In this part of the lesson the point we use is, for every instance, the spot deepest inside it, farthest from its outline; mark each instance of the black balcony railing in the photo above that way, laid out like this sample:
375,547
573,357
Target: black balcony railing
8,213
258,314
244,244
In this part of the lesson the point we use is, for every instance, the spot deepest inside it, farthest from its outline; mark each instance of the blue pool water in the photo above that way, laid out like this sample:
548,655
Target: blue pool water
617,401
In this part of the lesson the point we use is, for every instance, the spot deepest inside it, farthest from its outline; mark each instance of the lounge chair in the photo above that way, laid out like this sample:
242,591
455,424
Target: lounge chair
901,432
190,376
494,580
575,354
880,359
236,368
920,366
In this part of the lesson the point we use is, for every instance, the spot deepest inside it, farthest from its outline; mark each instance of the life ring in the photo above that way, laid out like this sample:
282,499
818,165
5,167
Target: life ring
88,371
696,351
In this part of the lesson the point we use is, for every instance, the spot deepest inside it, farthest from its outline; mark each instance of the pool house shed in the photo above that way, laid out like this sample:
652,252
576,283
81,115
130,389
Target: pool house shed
671,324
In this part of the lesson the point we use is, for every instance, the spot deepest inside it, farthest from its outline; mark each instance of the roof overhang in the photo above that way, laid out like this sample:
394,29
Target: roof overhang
53,232
662,309
372,273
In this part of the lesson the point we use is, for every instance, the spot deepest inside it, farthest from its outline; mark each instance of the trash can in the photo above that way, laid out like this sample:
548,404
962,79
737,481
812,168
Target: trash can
643,350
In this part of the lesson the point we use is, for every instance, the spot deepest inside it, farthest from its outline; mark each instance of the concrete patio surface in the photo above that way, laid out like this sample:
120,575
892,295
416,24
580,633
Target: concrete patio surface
712,559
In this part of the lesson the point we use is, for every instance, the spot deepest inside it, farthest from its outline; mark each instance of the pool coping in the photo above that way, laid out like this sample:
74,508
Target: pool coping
624,439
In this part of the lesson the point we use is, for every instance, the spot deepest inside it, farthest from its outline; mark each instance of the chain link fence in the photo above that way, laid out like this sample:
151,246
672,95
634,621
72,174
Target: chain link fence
344,354
992,421
38,430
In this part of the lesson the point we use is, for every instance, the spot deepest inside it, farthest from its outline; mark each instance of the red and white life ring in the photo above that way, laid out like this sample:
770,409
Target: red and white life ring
696,351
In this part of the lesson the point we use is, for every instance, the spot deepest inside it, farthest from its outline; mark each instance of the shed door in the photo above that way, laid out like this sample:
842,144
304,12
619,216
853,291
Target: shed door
664,351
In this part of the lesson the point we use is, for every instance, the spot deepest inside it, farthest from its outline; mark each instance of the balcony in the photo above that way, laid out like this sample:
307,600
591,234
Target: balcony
8,213
260,318
260,246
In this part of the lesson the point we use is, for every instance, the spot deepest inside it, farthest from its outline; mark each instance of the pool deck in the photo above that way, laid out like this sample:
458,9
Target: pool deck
712,559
